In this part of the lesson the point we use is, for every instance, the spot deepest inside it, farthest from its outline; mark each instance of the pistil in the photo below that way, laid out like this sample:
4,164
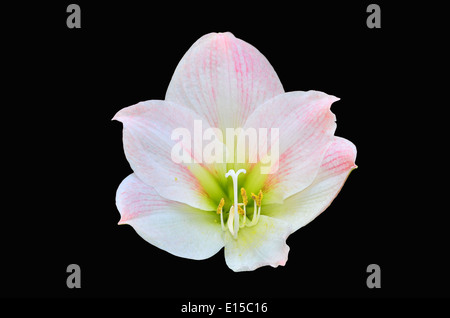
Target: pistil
234,175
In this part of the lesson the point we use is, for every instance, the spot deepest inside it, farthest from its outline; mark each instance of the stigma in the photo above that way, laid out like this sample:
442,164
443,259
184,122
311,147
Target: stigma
237,215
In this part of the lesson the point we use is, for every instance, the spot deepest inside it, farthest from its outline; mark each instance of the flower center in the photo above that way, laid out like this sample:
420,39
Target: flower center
237,216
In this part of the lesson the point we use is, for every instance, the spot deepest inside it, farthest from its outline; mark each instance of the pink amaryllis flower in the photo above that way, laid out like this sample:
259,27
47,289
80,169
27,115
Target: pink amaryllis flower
193,208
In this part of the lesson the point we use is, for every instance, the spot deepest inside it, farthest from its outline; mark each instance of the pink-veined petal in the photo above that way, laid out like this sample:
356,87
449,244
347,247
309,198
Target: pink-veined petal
306,128
169,225
148,145
259,245
224,79
301,208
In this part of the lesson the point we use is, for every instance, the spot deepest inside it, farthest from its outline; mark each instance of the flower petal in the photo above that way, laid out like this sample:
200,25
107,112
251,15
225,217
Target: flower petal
301,208
259,245
306,127
224,79
169,225
148,144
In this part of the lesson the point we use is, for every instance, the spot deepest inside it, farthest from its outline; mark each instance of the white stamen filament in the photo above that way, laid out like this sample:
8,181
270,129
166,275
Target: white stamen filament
244,216
255,209
221,220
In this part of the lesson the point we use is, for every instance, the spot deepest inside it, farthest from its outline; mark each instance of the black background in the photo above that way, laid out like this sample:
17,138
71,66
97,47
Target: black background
67,84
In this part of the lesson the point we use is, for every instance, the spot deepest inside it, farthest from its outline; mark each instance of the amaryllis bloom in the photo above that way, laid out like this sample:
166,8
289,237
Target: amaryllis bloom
193,208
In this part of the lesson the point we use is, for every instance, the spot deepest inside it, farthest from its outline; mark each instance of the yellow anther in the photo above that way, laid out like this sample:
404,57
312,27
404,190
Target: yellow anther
244,196
241,210
257,198
219,208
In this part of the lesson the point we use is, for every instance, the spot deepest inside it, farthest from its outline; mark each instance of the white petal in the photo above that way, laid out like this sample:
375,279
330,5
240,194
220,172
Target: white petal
172,226
224,79
301,208
148,144
259,245
306,127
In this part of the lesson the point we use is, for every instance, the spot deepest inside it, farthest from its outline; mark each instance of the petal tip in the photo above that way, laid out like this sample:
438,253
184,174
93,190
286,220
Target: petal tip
122,221
333,99
227,34
117,116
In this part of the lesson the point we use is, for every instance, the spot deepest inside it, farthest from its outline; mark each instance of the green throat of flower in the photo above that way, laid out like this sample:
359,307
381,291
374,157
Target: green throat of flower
237,215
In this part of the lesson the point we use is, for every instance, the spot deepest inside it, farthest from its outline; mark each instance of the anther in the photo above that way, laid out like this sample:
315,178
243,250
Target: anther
220,211
257,198
257,207
219,208
244,196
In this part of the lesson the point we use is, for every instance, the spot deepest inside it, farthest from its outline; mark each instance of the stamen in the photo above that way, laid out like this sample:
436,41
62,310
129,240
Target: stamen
257,207
257,198
244,196
254,197
245,200
219,208
220,211
255,210
242,216
259,202
260,197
